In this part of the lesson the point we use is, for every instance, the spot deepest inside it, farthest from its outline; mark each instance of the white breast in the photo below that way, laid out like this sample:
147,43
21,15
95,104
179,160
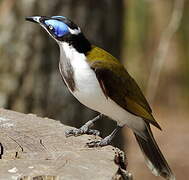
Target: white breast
89,92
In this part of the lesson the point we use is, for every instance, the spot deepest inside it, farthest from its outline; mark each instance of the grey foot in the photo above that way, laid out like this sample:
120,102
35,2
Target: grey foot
104,142
85,129
81,131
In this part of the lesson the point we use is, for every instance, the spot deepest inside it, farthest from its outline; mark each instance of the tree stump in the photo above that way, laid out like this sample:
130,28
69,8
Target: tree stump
36,148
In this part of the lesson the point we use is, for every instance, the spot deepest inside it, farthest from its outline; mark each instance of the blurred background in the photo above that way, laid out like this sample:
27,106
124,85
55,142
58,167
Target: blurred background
150,37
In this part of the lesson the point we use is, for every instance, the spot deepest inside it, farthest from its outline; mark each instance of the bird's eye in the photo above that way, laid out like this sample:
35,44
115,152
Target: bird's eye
51,27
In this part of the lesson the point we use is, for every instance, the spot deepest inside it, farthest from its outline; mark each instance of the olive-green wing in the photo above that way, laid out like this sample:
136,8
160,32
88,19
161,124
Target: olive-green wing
118,85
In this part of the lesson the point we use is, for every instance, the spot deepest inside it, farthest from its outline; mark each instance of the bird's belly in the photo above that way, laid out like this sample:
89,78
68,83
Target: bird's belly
89,93
88,90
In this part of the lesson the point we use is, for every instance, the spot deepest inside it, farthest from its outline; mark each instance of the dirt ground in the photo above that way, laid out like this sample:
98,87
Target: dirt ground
173,142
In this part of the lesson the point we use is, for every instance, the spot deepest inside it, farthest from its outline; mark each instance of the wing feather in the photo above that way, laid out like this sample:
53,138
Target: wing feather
118,85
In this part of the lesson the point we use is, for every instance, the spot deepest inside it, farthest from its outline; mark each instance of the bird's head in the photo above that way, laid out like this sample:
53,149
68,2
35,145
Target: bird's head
62,29
58,27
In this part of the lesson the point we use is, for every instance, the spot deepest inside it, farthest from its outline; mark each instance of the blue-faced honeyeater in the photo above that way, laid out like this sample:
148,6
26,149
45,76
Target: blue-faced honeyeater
100,82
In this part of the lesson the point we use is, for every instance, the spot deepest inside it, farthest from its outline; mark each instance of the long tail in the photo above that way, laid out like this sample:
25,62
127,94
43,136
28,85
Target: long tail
153,156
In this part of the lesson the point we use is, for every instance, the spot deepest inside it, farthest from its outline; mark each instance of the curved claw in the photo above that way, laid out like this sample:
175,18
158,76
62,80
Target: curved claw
81,131
93,132
100,143
73,132
93,144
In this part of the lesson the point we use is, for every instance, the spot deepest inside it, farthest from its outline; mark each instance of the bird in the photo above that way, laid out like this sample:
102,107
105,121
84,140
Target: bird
99,81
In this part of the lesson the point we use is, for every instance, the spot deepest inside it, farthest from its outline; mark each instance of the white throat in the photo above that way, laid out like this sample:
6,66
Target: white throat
69,52
86,83
71,59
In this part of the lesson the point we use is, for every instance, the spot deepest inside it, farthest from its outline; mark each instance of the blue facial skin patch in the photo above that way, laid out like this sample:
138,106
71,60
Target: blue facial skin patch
60,28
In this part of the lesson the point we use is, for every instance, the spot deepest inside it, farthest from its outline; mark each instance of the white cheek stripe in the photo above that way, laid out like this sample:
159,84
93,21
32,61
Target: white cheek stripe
75,31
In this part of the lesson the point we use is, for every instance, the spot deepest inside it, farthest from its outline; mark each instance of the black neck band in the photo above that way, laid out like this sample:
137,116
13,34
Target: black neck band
79,42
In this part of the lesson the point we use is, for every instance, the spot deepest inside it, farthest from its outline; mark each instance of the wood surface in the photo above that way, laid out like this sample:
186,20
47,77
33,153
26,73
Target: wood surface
36,148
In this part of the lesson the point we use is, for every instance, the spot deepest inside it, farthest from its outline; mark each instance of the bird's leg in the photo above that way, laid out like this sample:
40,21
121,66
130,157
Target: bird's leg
85,129
106,141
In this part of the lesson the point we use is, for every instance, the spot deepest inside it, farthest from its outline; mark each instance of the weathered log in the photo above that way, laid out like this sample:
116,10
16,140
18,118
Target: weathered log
37,147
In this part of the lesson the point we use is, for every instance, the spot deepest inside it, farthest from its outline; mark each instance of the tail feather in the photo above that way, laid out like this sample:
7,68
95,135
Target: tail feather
153,156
